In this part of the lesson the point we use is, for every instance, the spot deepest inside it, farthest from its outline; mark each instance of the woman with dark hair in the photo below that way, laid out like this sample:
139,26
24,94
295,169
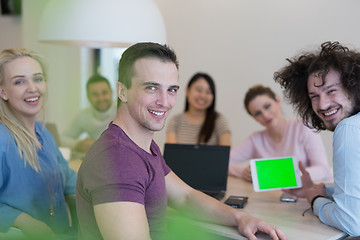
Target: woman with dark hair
199,123
281,137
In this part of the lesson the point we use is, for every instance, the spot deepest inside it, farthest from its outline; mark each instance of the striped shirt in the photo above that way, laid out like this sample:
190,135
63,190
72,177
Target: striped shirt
187,133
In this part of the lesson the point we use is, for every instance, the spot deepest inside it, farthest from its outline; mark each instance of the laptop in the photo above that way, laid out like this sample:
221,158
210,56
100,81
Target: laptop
203,167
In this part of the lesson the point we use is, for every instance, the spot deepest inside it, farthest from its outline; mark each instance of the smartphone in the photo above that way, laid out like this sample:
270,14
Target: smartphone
288,197
236,201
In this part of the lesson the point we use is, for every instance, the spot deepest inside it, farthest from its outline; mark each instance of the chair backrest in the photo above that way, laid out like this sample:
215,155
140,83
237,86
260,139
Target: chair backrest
54,131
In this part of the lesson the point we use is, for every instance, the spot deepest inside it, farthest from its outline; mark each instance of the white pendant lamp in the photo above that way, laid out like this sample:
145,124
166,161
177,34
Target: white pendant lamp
102,23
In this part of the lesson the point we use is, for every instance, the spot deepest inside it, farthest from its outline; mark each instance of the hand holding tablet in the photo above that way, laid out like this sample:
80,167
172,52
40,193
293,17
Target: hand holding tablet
275,173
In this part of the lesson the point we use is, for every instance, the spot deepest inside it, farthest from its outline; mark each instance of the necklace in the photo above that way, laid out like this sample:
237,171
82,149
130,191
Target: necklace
51,191
52,169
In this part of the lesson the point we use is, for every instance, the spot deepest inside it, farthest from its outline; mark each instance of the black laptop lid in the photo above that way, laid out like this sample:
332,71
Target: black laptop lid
203,167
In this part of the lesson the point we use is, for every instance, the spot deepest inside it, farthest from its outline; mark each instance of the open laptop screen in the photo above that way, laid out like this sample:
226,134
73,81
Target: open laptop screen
203,167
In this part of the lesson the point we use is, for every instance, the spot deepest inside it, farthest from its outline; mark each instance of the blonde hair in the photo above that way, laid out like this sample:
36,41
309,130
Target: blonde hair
24,138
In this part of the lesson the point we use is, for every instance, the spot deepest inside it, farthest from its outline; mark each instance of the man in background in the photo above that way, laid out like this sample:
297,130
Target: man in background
324,87
91,121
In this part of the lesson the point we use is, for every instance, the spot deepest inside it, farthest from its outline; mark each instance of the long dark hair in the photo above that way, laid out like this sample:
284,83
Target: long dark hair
209,124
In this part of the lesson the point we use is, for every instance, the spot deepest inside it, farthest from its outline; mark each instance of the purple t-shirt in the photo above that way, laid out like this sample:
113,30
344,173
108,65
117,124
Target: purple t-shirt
116,169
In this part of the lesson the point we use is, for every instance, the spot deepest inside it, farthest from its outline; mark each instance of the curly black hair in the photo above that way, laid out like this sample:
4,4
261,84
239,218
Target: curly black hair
293,78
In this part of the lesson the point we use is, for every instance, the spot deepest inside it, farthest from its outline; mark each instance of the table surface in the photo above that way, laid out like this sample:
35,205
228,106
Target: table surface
75,164
286,215
267,206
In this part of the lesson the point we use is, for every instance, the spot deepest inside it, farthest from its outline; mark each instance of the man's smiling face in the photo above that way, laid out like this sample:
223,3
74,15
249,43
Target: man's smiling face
329,99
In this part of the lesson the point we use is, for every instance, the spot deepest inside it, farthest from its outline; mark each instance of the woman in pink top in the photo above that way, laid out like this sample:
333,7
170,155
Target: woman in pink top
281,137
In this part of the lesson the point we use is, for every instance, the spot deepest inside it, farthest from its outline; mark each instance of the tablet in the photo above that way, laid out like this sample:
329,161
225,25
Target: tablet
275,173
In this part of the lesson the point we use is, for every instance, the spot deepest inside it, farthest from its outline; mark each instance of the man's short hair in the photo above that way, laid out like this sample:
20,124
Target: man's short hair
142,50
95,79
293,78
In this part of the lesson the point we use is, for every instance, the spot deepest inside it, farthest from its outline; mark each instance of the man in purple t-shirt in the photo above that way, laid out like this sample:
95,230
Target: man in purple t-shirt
123,183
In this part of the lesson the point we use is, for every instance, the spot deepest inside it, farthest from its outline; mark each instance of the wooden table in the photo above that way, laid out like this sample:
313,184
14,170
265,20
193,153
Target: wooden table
75,164
267,206
286,215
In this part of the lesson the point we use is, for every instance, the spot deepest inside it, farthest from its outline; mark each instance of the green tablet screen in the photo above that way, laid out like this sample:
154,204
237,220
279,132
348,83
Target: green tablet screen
276,173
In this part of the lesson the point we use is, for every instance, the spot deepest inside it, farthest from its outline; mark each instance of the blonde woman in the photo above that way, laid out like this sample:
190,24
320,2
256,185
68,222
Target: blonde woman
34,176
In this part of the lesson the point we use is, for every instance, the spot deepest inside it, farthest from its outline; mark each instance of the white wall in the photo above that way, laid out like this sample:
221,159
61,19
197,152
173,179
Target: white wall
239,42
243,42
64,67
10,31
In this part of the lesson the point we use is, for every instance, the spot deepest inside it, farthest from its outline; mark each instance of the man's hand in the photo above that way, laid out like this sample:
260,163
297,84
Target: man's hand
306,183
207,208
317,189
248,226
84,145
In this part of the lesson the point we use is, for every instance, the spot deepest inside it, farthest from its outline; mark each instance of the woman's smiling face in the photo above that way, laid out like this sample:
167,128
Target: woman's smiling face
24,86
199,95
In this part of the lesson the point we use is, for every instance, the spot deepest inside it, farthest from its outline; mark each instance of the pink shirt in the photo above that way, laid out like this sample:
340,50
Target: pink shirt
298,140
